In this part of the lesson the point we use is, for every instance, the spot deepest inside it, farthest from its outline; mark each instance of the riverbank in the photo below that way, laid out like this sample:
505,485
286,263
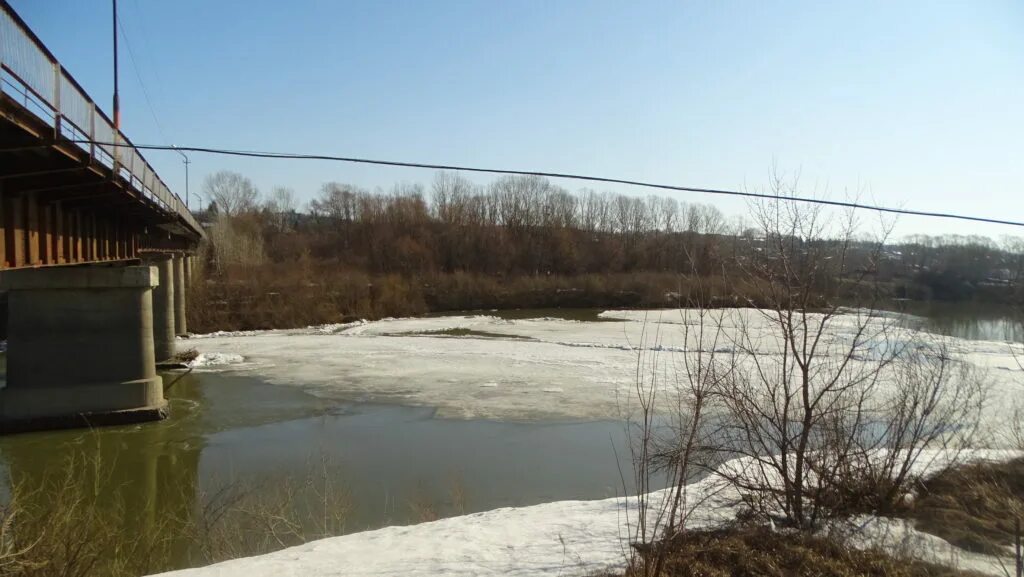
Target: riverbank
298,294
560,538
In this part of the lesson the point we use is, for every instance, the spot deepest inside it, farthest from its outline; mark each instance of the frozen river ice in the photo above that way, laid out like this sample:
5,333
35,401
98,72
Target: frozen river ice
483,366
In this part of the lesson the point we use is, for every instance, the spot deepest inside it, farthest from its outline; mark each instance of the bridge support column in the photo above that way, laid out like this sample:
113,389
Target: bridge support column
180,326
80,348
163,307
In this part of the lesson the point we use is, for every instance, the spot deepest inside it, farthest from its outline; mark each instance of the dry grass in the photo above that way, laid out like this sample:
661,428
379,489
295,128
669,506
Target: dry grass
59,525
424,508
972,506
743,551
56,526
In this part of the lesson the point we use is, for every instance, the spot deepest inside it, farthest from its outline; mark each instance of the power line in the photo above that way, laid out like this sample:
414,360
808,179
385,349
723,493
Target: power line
138,75
561,175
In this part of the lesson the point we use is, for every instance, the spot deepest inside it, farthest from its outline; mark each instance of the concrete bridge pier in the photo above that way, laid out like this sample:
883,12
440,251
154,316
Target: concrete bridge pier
180,326
163,306
80,348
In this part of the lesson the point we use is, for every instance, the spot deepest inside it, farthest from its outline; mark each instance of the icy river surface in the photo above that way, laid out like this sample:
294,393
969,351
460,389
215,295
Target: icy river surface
457,413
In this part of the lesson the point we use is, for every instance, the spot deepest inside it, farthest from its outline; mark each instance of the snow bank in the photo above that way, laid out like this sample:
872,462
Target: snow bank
563,538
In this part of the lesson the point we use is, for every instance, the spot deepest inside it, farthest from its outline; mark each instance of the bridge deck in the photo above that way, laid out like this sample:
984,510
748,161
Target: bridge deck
72,188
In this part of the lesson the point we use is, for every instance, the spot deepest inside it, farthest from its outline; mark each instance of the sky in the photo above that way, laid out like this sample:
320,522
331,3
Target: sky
914,104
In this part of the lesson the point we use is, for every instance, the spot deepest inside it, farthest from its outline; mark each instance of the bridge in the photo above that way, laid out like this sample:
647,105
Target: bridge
95,252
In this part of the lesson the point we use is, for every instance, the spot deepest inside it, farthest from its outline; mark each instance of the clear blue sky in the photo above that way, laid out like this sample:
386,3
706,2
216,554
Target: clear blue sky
916,104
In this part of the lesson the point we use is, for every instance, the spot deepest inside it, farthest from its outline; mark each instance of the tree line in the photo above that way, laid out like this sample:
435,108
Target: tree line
527,225
515,225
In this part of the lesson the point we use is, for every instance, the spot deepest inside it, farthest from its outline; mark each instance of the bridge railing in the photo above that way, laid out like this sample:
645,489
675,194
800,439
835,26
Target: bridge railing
30,74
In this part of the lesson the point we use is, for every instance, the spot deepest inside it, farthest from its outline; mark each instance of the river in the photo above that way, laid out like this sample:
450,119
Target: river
396,464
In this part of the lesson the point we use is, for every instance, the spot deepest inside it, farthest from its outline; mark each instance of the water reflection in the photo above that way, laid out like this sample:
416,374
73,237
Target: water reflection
973,321
144,478
395,462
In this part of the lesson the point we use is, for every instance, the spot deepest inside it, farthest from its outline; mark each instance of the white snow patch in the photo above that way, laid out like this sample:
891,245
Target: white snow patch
205,360
563,538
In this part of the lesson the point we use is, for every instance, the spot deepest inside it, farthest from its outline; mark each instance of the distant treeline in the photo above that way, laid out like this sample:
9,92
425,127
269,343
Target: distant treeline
517,225
520,241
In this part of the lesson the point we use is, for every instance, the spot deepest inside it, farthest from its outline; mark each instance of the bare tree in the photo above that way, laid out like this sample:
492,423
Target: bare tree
280,206
830,405
451,193
232,192
337,201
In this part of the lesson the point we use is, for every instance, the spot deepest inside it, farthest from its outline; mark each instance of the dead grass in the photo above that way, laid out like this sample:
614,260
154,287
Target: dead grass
743,551
58,525
425,507
973,506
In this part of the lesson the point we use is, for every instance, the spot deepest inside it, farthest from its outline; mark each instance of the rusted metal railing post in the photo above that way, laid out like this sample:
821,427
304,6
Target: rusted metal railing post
92,132
56,101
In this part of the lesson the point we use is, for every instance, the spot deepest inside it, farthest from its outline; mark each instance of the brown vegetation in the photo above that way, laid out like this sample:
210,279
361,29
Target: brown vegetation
290,295
519,242
74,521
744,551
975,507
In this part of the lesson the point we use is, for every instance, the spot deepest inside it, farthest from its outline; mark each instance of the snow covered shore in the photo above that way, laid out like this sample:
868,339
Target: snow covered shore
553,539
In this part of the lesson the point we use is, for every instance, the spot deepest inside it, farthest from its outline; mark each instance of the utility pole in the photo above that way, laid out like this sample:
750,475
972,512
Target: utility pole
187,162
117,103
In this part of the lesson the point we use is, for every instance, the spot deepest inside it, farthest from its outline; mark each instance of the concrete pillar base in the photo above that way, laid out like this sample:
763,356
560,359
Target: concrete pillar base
80,348
74,406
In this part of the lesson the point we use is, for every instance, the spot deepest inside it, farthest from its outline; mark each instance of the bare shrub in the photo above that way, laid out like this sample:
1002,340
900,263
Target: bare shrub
934,402
673,394
55,526
234,244
245,517
830,407
60,525
422,508
807,371
817,403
